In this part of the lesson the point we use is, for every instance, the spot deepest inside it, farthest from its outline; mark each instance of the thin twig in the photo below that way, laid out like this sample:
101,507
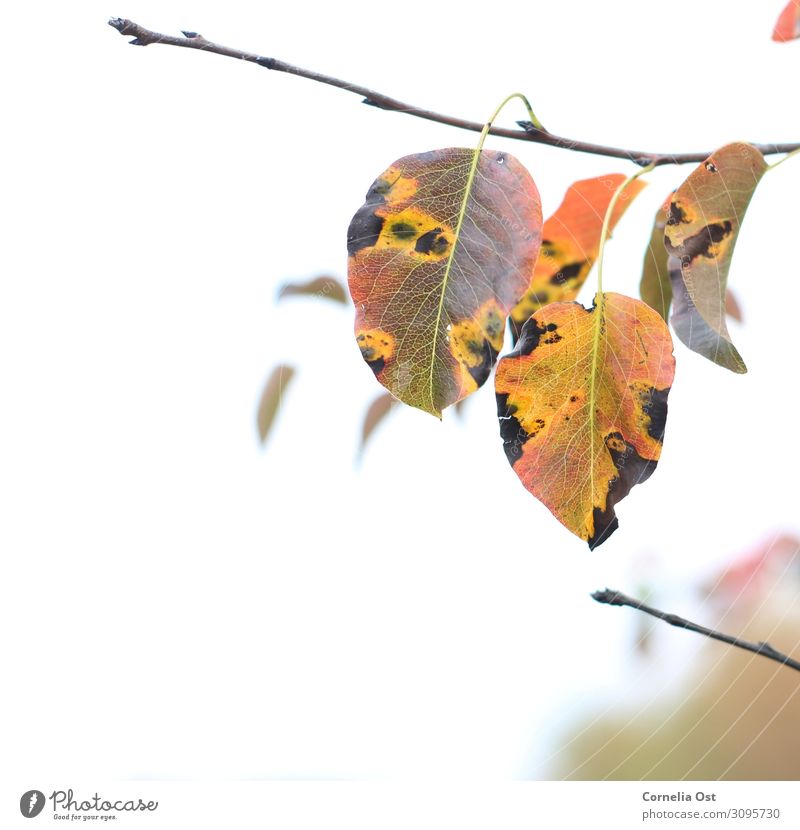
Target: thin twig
529,132
611,597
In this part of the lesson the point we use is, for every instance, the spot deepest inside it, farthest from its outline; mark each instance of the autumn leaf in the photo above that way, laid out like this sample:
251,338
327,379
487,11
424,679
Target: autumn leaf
377,411
788,25
655,287
582,403
322,287
571,242
438,255
702,227
271,399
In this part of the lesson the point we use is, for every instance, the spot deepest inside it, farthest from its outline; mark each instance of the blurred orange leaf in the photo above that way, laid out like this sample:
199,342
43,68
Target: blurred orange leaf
788,25
571,242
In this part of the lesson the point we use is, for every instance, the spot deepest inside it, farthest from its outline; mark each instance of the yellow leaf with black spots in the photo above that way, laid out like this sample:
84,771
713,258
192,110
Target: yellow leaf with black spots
582,403
703,222
438,255
571,243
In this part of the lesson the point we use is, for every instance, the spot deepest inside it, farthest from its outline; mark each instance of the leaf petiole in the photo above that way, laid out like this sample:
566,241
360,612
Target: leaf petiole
599,302
785,158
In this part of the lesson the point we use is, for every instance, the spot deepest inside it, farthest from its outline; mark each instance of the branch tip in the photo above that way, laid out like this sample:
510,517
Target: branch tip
607,596
529,132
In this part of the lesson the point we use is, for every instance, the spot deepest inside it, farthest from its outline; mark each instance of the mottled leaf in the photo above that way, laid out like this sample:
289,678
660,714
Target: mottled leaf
439,253
322,287
582,403
571,242
271,399
704,218
655,287
377,411
788,25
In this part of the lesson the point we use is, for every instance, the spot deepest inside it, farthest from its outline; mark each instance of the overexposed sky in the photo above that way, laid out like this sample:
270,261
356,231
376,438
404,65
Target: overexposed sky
178,602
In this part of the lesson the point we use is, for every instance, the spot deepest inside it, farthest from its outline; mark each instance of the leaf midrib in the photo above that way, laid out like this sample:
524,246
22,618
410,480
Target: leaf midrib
456,237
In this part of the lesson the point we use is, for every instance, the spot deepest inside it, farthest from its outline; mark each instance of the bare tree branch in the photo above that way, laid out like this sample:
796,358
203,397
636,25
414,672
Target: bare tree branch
192,40
611,597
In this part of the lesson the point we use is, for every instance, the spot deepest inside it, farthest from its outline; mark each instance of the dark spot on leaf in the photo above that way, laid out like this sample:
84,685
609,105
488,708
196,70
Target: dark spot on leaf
632,469
567,272
482,371
364,230
377,192
529,338
493,324
511,431
402,230
711,167
376,365
432,242
573,398
374,361
699,244
677,215
656,409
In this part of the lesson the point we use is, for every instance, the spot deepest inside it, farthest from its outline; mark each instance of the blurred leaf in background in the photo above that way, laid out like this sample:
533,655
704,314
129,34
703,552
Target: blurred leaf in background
322,287
271,399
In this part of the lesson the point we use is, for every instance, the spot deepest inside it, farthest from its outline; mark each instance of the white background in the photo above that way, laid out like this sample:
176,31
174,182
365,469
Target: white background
176,602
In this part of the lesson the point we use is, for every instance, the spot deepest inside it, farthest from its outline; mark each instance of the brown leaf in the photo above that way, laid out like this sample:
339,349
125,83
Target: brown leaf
271,399
322,287
705,214
377,411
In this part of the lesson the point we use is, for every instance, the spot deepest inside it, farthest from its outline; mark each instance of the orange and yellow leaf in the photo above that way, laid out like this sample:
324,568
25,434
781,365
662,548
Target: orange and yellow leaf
438,255
582,403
